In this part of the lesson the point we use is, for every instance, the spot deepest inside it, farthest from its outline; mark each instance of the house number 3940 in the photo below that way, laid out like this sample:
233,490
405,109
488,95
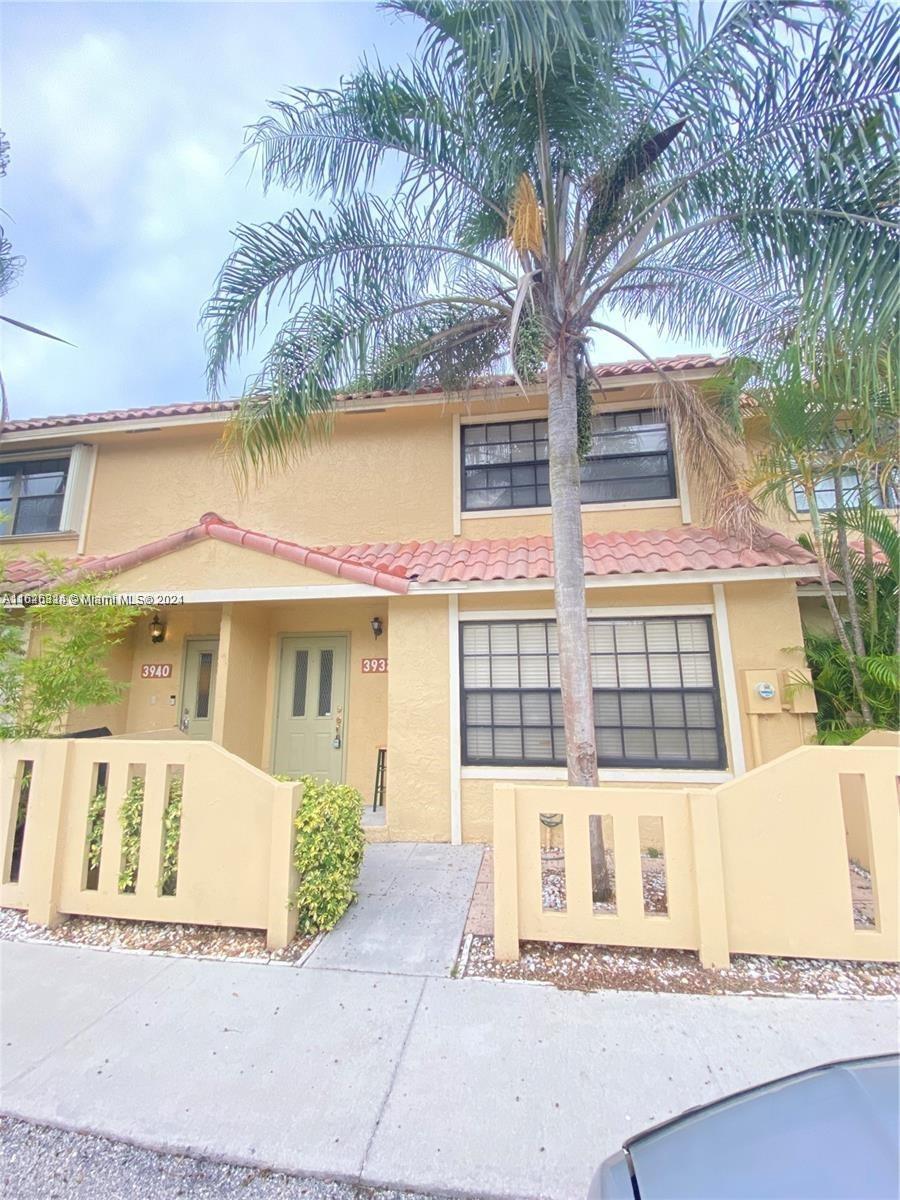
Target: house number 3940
374,666
156,670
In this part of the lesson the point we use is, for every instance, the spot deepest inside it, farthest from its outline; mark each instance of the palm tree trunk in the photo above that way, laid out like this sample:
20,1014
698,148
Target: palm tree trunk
844,555
568,583
839,627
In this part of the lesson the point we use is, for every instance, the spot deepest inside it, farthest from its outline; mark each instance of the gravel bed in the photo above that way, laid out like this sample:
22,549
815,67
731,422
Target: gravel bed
40,1163
601,968
653,882
152,937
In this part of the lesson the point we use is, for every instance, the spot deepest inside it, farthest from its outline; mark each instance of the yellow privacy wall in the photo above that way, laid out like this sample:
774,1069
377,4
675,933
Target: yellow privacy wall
757,866
235,834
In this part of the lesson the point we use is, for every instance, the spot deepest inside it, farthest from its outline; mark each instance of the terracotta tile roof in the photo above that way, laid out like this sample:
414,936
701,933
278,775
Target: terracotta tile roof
27,574
393,566
639,553
631,367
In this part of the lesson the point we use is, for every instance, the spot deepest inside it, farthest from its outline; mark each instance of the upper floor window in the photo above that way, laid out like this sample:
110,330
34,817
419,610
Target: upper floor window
505,463
879,497
31,495
656,695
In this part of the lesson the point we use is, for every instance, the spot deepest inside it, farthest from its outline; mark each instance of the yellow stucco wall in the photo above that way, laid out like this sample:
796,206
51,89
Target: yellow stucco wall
765,634
418,805
242,683
383,476
213,565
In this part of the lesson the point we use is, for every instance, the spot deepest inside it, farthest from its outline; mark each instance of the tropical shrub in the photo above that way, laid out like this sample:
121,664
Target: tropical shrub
327,852
168,875
74,639
131,815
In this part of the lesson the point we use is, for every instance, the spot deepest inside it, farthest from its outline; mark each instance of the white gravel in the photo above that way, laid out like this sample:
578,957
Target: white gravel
154,937
40,1163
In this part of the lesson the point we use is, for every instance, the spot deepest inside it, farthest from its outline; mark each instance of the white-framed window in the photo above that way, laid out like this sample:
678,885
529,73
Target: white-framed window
45,493
505,464
656,693
885,496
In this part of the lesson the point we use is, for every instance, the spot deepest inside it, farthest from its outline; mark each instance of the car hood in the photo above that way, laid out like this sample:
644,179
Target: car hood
826,1133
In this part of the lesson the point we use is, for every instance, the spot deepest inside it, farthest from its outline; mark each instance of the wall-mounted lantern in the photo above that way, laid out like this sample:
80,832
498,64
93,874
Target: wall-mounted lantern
157,629
377,627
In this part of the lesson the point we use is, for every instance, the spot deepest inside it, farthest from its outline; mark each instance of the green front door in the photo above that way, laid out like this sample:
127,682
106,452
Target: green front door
310,724
199,692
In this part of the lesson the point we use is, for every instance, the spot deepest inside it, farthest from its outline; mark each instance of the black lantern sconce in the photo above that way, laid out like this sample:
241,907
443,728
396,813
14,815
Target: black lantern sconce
157,630
377,627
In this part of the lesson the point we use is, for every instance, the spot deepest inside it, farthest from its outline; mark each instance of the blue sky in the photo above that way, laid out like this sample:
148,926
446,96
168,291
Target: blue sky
125,120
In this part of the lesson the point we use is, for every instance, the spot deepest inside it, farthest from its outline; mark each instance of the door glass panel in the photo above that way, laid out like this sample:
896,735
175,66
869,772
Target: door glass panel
301,671
204,679
326,675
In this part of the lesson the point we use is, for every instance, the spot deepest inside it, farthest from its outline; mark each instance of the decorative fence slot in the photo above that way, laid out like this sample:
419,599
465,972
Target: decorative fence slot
860,860
653,866
12,860
553,862
171,831
131,818
93,850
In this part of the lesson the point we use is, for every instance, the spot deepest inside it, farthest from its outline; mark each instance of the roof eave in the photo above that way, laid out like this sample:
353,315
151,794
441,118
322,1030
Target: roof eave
788,571
70,431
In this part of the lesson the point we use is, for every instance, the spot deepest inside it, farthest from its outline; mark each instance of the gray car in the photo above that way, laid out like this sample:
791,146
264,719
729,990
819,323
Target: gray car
830,1133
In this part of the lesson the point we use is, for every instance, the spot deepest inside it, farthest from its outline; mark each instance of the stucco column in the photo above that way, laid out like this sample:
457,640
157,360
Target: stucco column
242,681
418,757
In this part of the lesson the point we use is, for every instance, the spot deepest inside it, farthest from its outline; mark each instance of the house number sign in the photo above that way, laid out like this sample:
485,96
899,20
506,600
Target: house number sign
374,666
156,671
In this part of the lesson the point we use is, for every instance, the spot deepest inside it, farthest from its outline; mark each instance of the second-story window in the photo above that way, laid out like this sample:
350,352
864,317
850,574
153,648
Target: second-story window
505,463
31,495
882,495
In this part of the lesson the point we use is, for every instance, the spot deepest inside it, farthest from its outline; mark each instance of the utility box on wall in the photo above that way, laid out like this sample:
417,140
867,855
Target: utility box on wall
762,691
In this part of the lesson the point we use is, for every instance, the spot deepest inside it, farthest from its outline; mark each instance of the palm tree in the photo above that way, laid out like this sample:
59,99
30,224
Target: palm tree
856,693
831,424
564,167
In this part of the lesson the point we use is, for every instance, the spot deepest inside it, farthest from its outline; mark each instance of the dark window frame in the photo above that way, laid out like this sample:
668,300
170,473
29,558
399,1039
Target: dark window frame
669,764
60,464
668,453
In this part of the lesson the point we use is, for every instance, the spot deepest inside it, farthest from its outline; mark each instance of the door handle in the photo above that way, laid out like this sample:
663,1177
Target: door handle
185,723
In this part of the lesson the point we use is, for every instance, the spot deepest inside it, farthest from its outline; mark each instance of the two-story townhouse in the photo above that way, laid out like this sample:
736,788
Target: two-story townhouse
394,589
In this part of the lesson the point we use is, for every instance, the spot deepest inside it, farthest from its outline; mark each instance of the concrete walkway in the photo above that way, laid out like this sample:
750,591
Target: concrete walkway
416,1081
411,912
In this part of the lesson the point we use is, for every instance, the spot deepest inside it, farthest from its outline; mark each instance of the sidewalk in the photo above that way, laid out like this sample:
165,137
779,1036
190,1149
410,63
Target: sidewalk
413,1081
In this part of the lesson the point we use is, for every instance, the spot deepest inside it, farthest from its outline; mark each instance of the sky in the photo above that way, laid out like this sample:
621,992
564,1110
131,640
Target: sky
125,121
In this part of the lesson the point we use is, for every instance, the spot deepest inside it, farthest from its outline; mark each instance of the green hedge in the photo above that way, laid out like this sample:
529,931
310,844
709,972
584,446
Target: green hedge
327,852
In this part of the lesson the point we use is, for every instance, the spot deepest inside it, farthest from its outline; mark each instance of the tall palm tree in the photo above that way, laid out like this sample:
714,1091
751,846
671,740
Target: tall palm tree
564,167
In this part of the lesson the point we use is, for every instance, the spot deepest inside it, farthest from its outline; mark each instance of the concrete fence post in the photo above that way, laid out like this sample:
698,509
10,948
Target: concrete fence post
42,849
506,874
709,879
281,923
